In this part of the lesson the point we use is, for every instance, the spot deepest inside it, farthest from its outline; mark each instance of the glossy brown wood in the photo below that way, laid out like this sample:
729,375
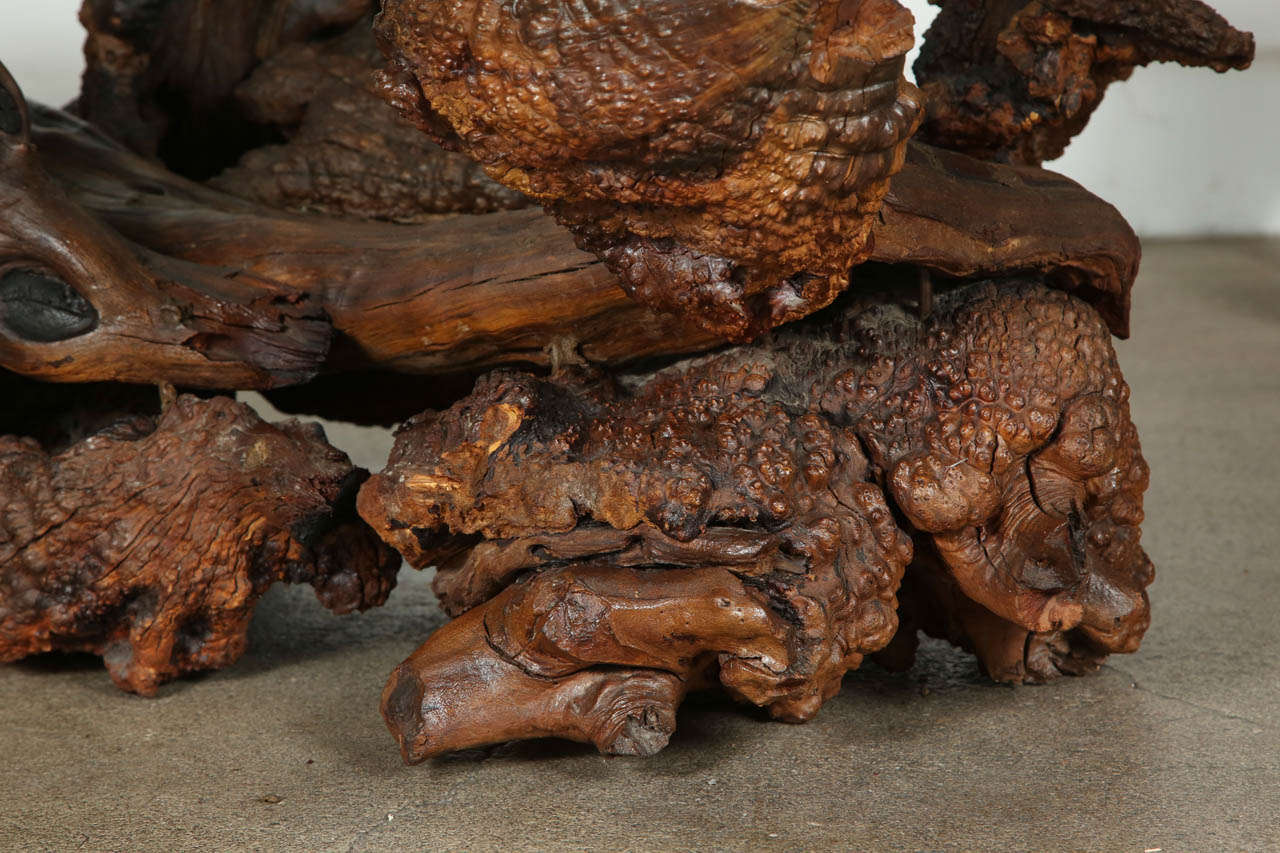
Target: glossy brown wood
79,302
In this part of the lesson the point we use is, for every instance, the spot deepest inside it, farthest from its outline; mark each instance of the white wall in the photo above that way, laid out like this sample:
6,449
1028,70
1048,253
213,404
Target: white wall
40,44
1179,151
1185,151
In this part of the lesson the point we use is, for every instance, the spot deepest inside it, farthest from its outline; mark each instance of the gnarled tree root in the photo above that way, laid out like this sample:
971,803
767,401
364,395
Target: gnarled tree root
471,292
473,683
604,654
79,302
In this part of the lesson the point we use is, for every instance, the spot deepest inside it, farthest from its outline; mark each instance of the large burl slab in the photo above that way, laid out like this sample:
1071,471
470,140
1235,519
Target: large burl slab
1015,81
150,541
613,543
726,159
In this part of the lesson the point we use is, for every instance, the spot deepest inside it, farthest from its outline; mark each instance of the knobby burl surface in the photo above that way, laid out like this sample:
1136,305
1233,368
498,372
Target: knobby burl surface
725,159
1015,80
150,541
612,544
275,101
348,152
686,533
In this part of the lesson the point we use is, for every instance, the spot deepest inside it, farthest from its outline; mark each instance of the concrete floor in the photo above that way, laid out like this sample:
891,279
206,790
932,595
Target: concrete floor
1176,747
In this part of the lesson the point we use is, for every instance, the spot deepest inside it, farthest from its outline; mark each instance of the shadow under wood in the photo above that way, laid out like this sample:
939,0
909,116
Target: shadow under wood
51,663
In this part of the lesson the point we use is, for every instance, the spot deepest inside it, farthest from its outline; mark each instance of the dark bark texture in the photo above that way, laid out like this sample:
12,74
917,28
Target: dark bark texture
347,152
161,75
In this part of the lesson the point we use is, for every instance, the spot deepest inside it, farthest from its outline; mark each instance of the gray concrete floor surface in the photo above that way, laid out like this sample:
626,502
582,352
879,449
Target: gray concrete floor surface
1176,747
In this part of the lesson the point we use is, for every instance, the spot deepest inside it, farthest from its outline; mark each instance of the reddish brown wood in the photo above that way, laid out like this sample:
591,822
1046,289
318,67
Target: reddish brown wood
701,530
1015,80
149,541
611,537
731,511
930,600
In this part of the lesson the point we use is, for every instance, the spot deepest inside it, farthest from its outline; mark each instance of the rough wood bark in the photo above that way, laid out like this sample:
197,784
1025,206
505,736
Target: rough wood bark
1015,81
593,523
149,541
347,151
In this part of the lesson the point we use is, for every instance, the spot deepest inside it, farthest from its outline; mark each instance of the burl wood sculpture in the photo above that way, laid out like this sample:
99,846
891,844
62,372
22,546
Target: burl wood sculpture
679,476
